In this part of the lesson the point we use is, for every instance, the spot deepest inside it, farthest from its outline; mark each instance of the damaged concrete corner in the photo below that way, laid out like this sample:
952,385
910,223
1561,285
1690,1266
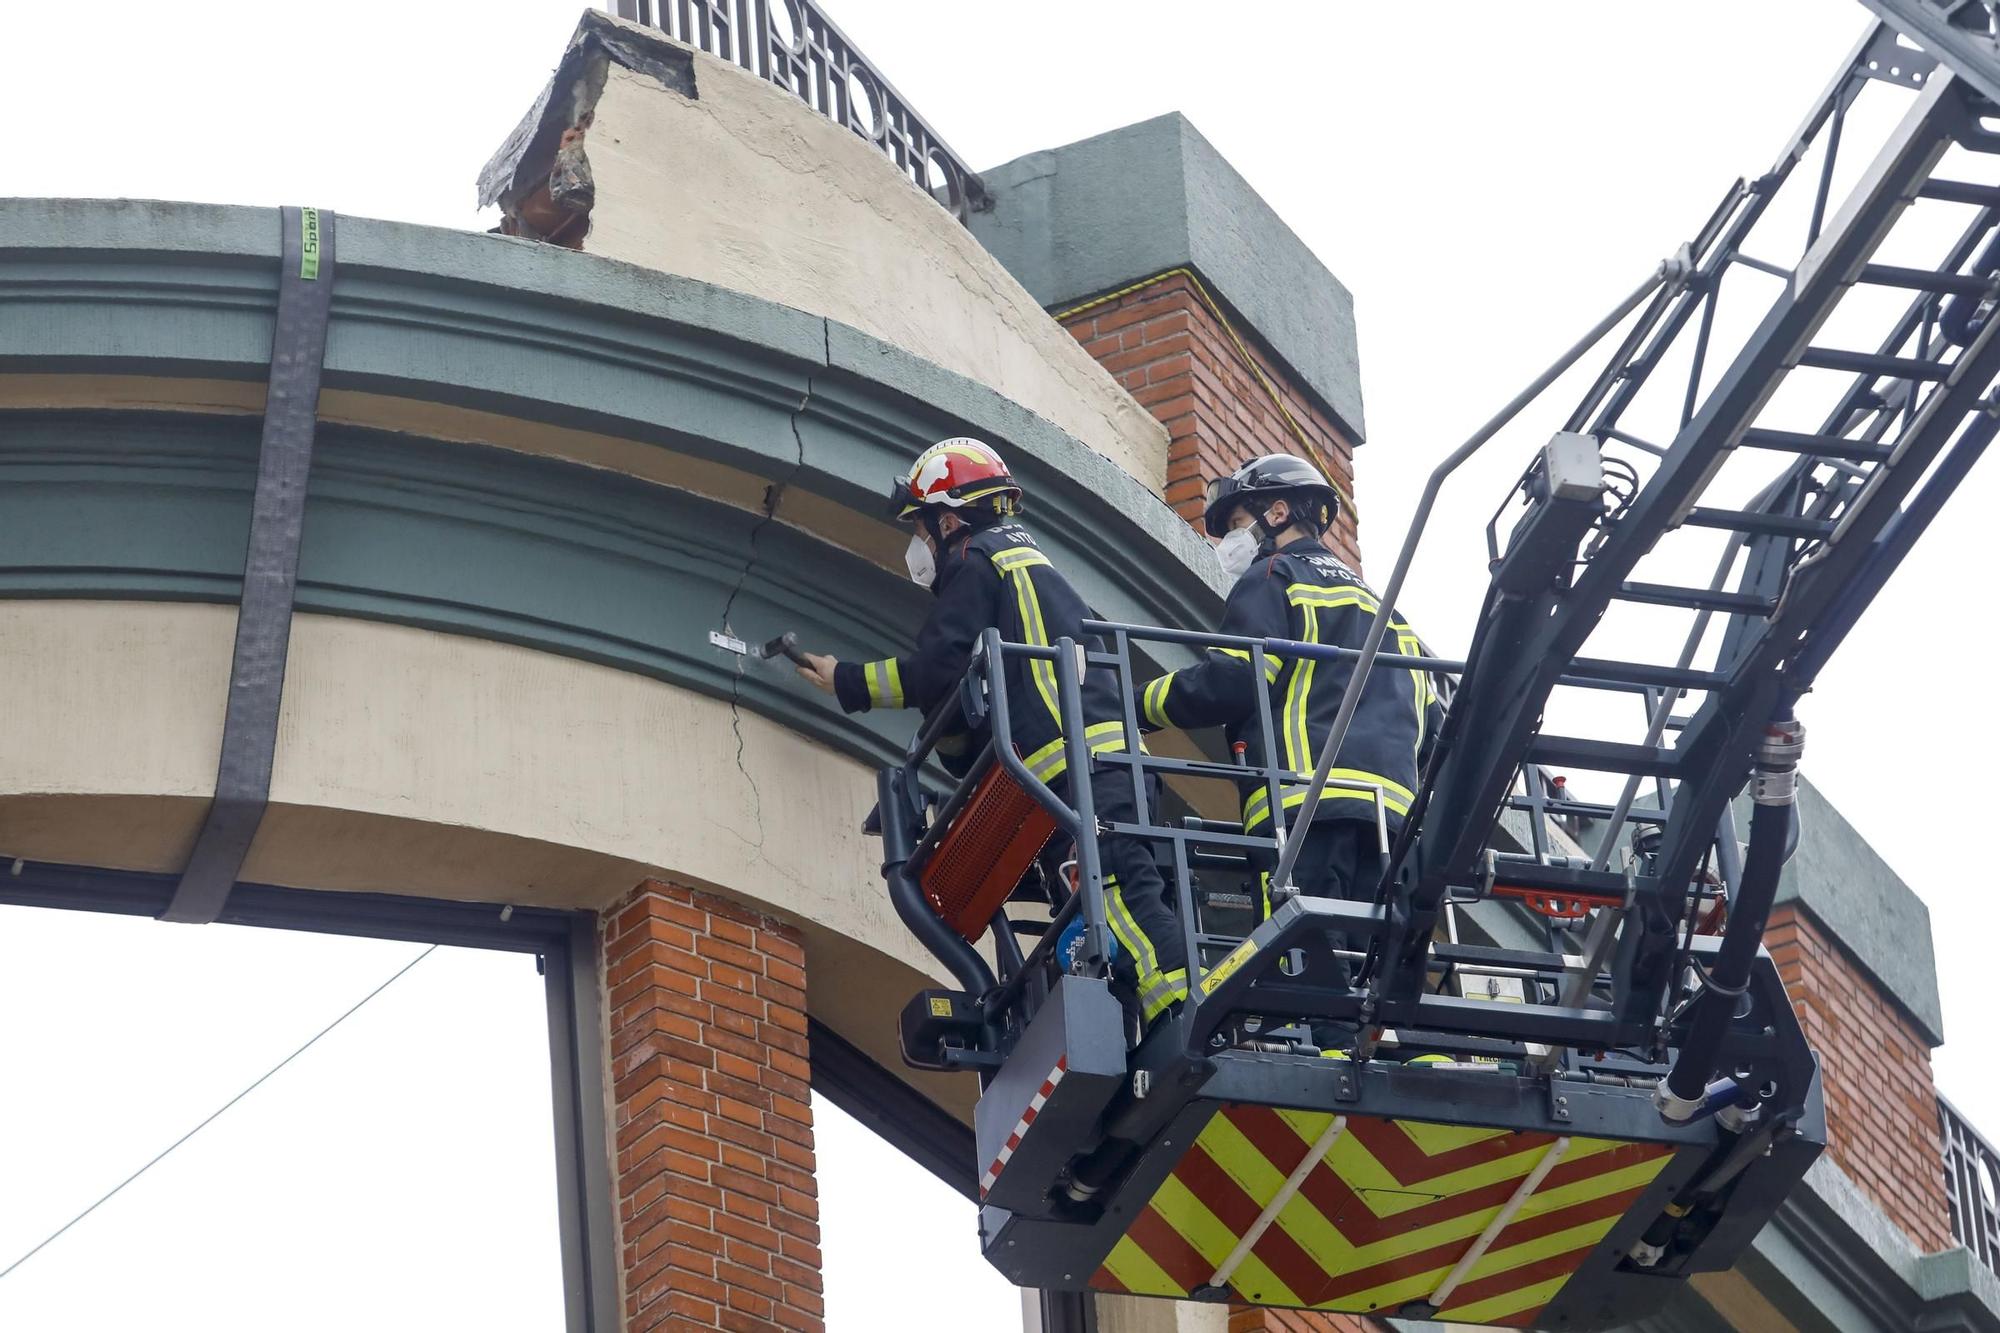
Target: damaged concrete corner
541,176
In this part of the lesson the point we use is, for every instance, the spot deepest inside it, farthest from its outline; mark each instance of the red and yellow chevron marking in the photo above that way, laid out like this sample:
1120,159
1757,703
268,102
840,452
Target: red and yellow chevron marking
1384,1217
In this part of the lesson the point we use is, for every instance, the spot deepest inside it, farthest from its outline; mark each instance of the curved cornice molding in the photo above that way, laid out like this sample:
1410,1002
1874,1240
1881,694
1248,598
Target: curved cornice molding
579,562
546,335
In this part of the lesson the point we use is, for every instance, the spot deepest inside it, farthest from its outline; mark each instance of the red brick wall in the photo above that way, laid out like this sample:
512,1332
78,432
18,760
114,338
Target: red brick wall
1881,1107
718,1210
1172,354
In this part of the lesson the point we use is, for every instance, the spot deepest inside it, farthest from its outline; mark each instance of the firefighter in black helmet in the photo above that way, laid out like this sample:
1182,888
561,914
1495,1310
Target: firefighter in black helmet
1272,516
985,570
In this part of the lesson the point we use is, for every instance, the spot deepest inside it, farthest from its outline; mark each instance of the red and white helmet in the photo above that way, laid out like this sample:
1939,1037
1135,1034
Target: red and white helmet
954,473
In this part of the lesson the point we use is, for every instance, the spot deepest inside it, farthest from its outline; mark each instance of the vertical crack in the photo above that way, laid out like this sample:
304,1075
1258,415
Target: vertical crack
774,495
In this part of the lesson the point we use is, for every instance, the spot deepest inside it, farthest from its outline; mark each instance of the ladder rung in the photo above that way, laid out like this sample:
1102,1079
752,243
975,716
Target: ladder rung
1651,761
1769,525
1554,809
1926,280
1548,877
1697,599
1643,673
1870,363
1960,192
1819,446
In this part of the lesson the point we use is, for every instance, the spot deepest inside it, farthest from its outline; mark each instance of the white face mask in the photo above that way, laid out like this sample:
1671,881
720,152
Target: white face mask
918,560
1237,551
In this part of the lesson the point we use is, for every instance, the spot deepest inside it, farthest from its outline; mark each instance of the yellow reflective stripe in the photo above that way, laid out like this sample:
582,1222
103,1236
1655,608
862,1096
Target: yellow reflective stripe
1355,1166
1328,590
1522,1298
1017,557
1169,988
1342,780
1344,594
1157,989
1410,646
885,683
1272,664
1178,1206
1512,1285
1136,1271
1436,1139
1126,928
1046,762
1156,701
1297,752
1033,630
1341,785
1016,561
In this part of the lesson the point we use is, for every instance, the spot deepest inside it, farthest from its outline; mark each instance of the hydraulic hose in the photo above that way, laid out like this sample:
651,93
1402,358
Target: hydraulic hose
1682,1095
945,944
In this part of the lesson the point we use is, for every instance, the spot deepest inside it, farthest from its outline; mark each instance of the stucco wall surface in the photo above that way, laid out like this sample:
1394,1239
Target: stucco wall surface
440,765
745,187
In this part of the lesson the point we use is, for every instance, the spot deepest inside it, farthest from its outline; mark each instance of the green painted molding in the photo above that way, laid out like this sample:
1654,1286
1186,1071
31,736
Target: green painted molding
1090,217
547,335
580,562
540,332
1831,1260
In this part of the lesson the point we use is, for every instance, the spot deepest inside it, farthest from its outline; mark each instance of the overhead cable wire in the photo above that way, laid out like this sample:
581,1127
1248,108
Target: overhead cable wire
213,1115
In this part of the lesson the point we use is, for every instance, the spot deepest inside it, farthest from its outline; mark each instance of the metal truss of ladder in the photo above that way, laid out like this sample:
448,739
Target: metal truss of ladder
1803,556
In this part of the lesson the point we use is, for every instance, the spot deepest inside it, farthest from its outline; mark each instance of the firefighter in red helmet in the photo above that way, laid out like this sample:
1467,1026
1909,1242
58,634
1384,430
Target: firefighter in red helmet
984,570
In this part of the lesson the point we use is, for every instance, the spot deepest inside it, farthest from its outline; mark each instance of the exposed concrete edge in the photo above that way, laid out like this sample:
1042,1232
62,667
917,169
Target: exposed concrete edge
572,91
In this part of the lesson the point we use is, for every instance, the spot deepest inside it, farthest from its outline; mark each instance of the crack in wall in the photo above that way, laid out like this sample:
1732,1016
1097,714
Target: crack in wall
774,495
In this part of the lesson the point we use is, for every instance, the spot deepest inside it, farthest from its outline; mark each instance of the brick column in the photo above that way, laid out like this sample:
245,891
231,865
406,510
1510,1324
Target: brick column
1169,349
717,1206
1875,1068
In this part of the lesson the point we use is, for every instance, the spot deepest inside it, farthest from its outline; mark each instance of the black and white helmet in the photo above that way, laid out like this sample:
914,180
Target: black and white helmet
1270,478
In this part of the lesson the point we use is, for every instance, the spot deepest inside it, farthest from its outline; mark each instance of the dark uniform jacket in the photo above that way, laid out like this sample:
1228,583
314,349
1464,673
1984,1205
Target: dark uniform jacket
995,577
1306,594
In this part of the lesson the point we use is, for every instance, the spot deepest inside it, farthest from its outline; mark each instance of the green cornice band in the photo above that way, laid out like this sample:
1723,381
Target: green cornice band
496,542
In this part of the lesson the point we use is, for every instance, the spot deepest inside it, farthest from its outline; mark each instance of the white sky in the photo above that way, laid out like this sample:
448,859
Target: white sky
1487,179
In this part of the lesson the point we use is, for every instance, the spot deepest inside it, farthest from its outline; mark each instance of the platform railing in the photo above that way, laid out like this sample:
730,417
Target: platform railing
1971,1185
1233,995
793,44
984,705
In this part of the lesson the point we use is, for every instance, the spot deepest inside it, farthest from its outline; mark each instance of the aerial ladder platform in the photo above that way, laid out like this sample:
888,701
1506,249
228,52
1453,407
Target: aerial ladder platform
1573,1076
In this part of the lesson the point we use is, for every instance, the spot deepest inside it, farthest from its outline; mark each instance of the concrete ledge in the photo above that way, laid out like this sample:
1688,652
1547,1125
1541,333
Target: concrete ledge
1089,217
1831,1260
1855,895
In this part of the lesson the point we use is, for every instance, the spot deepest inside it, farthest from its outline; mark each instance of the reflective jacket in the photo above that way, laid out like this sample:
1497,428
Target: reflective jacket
997,577
1306,594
